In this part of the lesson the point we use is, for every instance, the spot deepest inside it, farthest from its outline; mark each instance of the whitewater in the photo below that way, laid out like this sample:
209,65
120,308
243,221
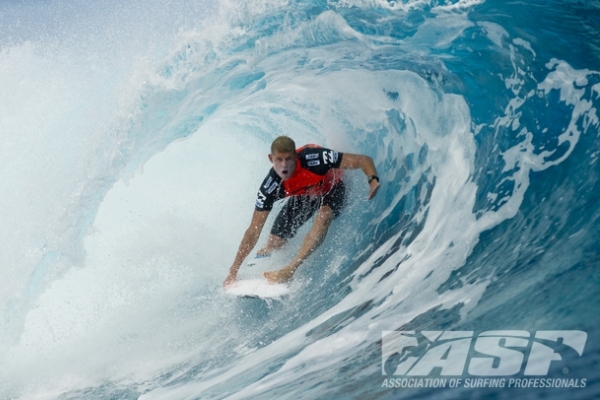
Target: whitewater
134,137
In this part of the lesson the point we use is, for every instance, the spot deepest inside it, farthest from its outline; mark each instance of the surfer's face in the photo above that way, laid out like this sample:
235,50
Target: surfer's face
283,163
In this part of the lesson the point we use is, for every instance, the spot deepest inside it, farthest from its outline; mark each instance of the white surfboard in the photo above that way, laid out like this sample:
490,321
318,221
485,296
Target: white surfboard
257,288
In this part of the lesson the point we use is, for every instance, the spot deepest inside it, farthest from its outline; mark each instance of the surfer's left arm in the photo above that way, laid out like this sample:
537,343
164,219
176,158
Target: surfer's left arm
248,242
365,163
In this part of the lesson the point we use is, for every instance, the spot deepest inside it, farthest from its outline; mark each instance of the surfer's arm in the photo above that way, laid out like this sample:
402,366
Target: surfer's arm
248,242
365,163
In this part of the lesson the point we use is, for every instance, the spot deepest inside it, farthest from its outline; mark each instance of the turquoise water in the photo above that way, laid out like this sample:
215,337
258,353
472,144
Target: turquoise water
134,138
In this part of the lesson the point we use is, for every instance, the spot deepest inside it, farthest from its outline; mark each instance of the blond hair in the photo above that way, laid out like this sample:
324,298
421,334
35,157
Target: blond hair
283,144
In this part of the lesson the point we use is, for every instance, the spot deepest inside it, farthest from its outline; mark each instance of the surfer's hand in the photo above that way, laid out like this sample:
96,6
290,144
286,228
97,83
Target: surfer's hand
374,185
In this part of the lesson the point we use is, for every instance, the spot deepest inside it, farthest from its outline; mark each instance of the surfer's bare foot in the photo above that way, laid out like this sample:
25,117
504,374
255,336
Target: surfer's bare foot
280,276
264,252
230,279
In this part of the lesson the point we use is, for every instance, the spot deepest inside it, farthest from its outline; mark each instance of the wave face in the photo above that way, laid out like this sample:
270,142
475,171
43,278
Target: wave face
134,138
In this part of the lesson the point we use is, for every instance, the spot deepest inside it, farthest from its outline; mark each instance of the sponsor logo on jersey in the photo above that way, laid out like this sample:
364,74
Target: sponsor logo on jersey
266,185
272,188
312,156
313,163
260,199
330,157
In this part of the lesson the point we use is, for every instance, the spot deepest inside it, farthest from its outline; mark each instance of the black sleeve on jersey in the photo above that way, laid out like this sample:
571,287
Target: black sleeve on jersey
319,160
269,192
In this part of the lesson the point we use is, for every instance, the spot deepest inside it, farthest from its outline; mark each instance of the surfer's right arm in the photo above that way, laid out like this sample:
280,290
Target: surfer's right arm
248,242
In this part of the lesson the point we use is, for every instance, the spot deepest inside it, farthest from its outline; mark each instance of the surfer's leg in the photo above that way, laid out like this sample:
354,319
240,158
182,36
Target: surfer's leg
295,212
317,233
336,199
274,243
312,240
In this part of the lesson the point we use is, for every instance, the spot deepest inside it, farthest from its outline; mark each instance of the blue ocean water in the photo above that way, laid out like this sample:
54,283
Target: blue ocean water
134,137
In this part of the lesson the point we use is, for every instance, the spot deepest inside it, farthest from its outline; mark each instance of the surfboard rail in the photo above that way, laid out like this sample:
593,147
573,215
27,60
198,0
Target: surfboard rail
257,288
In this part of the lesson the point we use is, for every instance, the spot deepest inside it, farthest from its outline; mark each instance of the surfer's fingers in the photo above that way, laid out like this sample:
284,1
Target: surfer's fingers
373,192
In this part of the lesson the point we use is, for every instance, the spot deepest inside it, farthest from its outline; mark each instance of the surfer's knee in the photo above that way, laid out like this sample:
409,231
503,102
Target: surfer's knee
325,215
277,242
273,243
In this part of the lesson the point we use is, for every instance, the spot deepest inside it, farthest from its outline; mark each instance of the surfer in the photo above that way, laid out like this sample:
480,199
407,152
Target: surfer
311,176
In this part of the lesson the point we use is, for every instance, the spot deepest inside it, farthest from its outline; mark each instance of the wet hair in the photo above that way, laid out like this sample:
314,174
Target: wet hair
283,144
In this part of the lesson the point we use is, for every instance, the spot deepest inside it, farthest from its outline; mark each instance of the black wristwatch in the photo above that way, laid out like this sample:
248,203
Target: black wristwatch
373,177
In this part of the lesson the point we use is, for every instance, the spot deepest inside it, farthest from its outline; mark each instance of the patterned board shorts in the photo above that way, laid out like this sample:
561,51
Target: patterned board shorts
299,209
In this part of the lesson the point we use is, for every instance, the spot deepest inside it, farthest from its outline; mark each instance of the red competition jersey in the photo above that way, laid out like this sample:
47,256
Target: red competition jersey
317,170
